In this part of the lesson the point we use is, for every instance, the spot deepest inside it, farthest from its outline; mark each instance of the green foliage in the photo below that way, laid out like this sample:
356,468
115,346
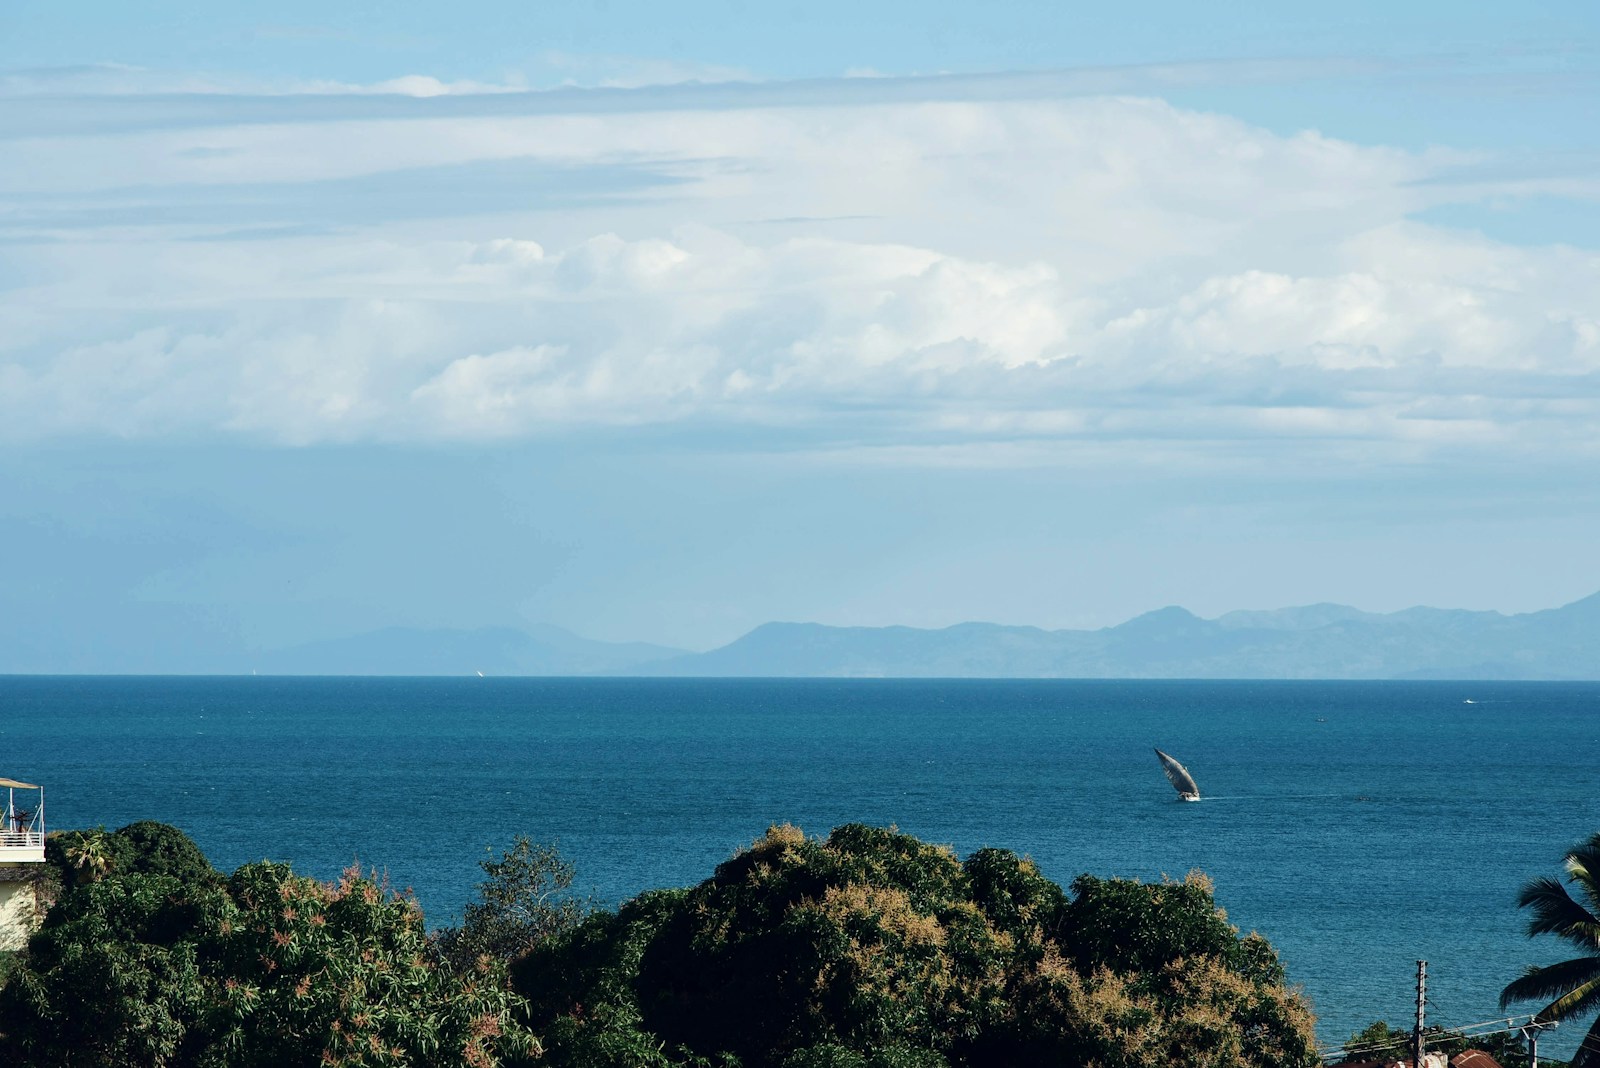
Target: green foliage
1154,974
871,949
1571,988
1014,897
145,847
142,967
895,1055
79,857
583,986
867,949
340,974
11,962
525,899
1128,926
152,848
112,978
1379,1041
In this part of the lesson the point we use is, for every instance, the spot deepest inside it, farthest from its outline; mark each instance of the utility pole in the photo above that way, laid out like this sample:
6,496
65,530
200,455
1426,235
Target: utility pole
1422,1001
1530,1031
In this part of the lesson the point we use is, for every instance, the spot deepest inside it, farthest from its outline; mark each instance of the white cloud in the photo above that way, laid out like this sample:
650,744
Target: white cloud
1078,271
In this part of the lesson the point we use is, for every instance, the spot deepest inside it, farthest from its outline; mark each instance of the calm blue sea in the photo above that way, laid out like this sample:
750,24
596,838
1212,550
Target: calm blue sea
1359,826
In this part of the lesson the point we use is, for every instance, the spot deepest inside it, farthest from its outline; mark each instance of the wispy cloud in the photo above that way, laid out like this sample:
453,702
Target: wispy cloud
593,70
542,72
100,80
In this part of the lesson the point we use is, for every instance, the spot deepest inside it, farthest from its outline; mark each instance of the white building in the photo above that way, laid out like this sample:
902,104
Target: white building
21,864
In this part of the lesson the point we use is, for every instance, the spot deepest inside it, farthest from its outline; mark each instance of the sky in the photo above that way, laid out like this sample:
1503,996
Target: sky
658,322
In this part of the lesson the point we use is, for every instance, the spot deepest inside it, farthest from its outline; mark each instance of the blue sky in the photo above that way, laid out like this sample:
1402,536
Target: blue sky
660,324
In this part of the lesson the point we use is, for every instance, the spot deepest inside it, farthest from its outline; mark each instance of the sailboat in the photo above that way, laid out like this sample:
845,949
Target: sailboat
1179,777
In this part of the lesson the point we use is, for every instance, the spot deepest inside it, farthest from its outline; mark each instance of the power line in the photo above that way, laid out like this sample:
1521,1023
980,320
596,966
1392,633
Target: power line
1482,1029
1504,1025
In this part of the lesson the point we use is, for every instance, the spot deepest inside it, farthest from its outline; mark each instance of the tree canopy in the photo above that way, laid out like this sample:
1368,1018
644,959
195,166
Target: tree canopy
144,847
524,899
142,967
864,949
872,949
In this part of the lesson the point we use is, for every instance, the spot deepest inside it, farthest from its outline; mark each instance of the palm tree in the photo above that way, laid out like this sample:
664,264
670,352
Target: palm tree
89,857
1573,984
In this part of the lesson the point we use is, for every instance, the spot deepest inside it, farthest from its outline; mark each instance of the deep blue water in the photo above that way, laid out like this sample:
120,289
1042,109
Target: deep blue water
1359,826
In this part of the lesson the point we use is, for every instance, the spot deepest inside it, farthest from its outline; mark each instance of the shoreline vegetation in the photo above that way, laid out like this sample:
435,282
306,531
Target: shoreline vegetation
866,948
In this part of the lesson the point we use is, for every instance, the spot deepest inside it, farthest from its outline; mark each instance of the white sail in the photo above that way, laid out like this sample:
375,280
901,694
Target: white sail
1179,777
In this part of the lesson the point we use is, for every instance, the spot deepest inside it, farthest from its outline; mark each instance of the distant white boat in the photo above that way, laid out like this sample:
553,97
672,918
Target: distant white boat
480,674
1469,701
1179,777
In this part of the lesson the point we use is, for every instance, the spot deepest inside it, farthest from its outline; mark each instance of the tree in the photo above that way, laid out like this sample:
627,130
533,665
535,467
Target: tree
112,978
1377,1042
1573,985
871,949
339,973
525,899
1147,974
145,847
268,968
154,848
89,857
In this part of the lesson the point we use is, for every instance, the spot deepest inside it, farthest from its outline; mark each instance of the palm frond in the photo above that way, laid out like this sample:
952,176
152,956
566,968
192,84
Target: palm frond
1588,1055
1552,981
1555,912
1583,869
1575,1002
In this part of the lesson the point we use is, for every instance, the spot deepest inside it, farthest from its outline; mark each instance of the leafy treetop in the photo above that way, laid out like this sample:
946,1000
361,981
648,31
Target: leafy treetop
144,967
871,948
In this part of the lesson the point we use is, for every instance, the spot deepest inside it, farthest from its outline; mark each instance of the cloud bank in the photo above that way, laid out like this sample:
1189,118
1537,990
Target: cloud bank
1055,274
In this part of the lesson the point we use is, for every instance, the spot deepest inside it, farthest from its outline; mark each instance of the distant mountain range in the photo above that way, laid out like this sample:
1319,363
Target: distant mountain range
1323,641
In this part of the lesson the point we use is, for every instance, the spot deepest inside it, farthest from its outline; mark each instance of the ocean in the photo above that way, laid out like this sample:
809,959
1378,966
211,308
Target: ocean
1359,826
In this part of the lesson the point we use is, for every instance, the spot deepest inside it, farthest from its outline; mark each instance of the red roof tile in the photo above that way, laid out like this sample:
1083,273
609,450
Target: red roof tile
1473,1058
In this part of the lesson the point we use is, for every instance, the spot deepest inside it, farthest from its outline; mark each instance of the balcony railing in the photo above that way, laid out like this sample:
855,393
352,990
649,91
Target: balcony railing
21,845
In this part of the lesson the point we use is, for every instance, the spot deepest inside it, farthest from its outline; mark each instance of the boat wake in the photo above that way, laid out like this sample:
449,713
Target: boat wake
1279,797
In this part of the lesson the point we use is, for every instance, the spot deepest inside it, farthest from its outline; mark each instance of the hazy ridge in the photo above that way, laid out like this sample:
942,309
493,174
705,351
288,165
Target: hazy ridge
1324,641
